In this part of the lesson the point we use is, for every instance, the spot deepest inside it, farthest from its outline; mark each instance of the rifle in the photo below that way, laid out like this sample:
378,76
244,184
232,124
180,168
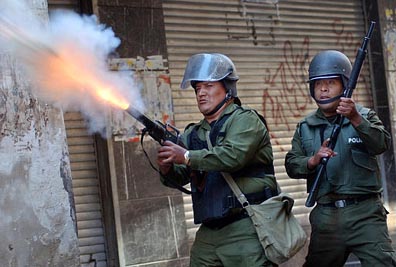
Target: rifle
351,85
160,133
157,130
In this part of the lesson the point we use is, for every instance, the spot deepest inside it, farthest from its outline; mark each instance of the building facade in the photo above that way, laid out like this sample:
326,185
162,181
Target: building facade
123,215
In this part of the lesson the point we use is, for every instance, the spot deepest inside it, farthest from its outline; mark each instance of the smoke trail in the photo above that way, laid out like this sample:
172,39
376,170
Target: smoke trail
66,60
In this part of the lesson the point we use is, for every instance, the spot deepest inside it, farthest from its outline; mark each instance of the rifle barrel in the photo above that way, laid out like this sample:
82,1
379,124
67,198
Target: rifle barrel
155,129
143,119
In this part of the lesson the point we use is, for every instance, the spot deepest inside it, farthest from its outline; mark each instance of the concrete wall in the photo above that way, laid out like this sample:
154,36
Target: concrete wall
387,23
388,28
150,223
37,222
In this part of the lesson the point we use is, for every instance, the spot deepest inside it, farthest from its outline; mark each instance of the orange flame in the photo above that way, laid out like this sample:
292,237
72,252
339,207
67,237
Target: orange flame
69,70
108,96
66,71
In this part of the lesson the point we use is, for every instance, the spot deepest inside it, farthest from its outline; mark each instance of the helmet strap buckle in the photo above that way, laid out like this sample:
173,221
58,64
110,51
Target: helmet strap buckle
228,96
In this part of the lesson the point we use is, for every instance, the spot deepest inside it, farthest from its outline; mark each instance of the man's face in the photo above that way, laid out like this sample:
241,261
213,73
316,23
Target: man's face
325,89
209,95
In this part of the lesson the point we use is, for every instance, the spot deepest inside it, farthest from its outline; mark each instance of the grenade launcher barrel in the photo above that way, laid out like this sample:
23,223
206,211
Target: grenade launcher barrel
157,130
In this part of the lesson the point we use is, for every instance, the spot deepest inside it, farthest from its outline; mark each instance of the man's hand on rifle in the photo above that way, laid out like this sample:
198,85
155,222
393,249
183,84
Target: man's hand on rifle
347,108
168,154
323,152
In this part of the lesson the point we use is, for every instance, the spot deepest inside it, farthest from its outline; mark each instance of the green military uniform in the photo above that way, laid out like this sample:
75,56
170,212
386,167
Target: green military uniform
349,216
243,141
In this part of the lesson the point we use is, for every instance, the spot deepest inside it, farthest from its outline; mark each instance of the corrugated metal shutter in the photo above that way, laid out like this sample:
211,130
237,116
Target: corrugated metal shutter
271,43
64,4
86,191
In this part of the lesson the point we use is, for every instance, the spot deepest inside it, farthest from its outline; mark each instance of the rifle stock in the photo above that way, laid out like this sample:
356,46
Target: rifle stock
351,85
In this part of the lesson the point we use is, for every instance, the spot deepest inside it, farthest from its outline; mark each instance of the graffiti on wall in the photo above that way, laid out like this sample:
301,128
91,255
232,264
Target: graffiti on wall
292,97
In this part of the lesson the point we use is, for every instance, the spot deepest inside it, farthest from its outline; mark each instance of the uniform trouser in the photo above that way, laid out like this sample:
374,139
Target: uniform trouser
235,245
359,228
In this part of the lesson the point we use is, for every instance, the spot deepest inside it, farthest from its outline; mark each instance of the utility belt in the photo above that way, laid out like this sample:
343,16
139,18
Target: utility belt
237,212
217,224
253,198
347,200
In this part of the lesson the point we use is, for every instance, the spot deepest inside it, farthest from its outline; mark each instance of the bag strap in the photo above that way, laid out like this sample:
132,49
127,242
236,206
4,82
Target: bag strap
234,187
230,181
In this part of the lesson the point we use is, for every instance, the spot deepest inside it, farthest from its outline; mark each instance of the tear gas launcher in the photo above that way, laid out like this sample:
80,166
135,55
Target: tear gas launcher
160,133
156,129
348,90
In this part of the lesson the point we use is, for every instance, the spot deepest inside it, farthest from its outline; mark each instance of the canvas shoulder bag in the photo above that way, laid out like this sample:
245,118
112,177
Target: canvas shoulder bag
279,232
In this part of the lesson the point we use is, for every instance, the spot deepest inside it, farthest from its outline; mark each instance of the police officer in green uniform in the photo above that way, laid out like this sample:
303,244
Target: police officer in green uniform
349,216
240,145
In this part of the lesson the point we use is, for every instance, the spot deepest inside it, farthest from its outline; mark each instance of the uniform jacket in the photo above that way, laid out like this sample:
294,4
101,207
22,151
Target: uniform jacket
354,170
242,141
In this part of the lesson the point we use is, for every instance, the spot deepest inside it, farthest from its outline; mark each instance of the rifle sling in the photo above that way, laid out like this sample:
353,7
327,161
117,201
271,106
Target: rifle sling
168,181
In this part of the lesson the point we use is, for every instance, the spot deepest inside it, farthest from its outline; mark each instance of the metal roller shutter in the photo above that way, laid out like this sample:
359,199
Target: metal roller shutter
86,191
65,4
271,43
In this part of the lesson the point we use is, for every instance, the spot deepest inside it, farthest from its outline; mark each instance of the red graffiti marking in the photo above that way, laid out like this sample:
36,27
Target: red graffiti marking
344,39
292,97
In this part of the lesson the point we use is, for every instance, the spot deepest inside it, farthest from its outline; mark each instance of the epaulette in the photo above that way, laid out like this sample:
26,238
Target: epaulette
261,117
189,125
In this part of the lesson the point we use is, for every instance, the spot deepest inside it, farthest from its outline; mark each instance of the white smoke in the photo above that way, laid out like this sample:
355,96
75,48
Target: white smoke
65,58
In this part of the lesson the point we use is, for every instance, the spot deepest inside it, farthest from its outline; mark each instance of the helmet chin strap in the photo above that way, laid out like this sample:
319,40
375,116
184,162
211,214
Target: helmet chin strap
329,100
225,100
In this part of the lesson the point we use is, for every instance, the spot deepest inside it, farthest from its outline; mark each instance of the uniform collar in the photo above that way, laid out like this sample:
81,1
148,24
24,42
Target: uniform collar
318,118
229,109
